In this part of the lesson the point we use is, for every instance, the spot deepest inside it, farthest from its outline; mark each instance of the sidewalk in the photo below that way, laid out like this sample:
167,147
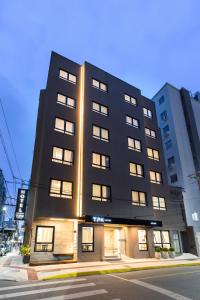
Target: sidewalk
12,267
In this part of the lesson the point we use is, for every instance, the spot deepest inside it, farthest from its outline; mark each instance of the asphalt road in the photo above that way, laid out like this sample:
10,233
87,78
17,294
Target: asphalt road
165,284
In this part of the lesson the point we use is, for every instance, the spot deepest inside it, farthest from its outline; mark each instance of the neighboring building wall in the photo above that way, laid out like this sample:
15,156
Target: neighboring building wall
2,197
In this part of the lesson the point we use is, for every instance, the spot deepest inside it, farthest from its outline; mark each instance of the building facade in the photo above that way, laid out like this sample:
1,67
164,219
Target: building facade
178,114
2,198
98,186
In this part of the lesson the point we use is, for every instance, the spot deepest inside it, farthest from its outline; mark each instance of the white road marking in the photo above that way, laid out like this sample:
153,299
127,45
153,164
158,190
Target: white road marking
154,288
14,287
47,290
77,295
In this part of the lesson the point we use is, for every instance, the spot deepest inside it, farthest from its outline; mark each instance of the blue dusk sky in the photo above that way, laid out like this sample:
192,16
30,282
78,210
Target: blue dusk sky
145,43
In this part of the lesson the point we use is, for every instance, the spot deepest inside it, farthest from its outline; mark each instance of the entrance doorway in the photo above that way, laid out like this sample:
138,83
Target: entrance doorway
114,242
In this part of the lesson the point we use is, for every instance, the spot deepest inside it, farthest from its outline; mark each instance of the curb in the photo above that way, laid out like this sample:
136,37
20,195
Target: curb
123,270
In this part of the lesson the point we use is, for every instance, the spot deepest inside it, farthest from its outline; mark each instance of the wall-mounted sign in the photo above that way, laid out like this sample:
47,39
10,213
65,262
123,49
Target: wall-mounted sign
21,204
109,220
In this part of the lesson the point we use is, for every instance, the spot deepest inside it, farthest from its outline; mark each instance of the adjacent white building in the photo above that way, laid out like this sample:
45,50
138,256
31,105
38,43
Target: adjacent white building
178,114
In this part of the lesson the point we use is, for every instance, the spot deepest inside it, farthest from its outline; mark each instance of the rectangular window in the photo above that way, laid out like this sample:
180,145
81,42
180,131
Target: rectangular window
64,126
132,122
147,113
130,99
99,85
67,76
87,239
63,156
153,154
138,198
168,144
151,133
174,178
100,161
136,170
101,192
163,116
142,240
171,162
134,144
161,238
155,177
67,101
100,108
166,130
159,203
44,238
161,100
60,189
100,133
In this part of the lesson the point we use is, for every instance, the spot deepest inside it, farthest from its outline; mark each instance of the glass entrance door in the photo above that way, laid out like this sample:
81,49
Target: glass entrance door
114,242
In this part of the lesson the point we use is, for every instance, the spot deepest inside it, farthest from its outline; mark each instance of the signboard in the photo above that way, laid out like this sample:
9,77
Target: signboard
109,220
21,204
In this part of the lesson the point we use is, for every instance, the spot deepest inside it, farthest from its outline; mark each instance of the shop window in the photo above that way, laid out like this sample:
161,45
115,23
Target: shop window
87,239
161,238
44,238
142,240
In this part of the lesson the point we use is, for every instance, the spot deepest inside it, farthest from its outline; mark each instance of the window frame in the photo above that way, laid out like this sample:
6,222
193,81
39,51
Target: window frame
53,237
101,165
139,243
162,243
132,122
60,195
134,102
100,83
89,244
65,124
147,113
159,206
101,193
62,161
156,181
68,75
100,137
153,154
139,203
136,174
150,133
134,140
66,101
99,111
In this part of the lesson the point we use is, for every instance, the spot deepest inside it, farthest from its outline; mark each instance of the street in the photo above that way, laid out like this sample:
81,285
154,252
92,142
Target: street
176,283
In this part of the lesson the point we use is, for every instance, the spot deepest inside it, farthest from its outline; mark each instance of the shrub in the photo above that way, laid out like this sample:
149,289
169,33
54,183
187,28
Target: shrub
171,249
25,250
157,249
165,249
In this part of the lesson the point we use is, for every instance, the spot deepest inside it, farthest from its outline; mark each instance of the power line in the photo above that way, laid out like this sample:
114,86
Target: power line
10,137
6,153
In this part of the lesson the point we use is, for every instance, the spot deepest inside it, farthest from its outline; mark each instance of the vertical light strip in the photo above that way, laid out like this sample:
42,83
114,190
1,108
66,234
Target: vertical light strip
80,144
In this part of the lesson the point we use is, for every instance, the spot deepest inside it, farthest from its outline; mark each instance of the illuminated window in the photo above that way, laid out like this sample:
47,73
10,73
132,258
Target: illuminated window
159,203
44,238
60,189
136,170
130,99
138,198
134,144
132,122
147,113
142,240
99,85
100,133
161,238
150,133
63,156
100,108
67,76
64,126
67,101
101,192
100,161
155,177
87,239
153,154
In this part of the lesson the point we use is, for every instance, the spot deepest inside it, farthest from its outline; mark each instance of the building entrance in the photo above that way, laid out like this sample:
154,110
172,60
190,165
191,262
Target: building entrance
114,242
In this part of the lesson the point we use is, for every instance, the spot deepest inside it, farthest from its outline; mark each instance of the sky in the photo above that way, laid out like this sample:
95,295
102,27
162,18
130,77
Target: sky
144,42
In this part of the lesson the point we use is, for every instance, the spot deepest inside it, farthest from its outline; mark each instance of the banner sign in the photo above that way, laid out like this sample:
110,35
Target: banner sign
21,204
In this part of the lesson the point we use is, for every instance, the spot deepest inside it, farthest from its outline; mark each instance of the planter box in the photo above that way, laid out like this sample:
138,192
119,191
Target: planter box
158,255
172,254
26,259
165,254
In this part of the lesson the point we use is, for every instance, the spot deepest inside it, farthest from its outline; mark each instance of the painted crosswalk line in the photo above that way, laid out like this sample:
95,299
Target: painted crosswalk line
37,284
46,290
77,295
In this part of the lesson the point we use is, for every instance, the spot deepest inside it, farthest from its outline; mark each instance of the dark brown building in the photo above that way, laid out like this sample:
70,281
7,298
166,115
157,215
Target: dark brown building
98,183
